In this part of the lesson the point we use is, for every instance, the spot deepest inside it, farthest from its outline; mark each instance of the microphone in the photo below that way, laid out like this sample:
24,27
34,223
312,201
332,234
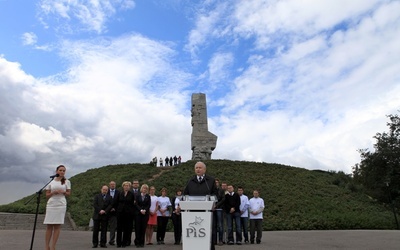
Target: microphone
56,175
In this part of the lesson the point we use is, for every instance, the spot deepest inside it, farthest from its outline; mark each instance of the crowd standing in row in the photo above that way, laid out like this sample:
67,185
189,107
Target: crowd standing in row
169,161
120,210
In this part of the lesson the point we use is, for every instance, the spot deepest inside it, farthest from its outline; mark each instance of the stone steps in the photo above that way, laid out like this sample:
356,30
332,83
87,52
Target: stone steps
17,221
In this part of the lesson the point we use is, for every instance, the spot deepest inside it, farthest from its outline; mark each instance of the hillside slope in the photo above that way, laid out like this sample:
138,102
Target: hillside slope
296,198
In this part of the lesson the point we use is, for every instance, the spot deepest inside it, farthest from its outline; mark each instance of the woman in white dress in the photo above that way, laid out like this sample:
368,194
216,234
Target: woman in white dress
56,191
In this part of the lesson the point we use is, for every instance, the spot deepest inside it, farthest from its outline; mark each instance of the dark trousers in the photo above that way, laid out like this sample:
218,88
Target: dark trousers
177,221
140,228
244,223
218,225
256,226
112,225
230,218
161,227
100,225
124,229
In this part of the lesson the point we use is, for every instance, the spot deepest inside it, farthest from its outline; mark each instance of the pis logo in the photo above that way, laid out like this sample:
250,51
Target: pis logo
194,229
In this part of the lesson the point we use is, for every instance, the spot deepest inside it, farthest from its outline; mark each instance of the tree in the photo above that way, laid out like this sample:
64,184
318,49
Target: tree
379,171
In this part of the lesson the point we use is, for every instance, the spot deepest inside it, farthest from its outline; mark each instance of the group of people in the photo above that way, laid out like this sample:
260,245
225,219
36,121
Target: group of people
137,207
134,207
233,209
169,161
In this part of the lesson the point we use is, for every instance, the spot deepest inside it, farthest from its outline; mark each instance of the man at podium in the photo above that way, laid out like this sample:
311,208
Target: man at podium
201,185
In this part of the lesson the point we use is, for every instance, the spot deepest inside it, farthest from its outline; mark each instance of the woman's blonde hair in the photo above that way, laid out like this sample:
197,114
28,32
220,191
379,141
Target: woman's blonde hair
126,183
144,186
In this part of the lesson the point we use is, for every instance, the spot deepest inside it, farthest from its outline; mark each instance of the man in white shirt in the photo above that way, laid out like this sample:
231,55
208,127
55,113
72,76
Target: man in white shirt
256,217
244,213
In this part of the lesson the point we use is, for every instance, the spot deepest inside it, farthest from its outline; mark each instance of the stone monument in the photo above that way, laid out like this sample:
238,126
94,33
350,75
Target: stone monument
203,141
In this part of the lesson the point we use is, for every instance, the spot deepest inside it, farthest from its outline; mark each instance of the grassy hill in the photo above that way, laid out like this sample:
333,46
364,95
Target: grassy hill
295,198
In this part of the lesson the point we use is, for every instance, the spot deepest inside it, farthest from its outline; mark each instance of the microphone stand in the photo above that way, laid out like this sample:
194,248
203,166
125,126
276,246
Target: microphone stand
39,193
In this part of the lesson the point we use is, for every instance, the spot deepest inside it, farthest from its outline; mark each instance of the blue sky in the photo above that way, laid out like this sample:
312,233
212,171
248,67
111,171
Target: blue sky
90,83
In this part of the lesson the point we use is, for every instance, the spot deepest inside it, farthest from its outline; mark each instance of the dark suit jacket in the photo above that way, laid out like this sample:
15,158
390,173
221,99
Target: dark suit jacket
125,204
205,187
142,203
113,210
100,204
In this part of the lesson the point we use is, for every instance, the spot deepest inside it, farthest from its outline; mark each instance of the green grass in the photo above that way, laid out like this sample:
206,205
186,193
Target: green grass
295,198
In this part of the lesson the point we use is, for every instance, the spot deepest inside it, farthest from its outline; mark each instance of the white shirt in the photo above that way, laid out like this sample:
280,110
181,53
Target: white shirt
112,192
244,205
163,203
256,204
154,200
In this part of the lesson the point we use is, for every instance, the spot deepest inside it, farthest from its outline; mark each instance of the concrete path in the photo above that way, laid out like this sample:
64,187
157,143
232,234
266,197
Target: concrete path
354,240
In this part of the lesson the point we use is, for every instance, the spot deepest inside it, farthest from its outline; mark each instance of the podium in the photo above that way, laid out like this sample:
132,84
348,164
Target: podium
197,221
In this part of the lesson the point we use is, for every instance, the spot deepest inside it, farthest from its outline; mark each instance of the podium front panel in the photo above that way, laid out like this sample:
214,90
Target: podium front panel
196,230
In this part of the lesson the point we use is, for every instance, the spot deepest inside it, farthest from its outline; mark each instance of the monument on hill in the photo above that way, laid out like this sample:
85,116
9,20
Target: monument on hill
203,141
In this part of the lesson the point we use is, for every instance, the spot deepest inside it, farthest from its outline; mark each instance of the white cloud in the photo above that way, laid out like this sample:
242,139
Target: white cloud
298,83
108,108
29,38
322,97
219,67
90,15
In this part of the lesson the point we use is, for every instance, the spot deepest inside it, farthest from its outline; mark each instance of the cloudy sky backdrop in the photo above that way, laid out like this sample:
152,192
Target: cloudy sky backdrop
90,83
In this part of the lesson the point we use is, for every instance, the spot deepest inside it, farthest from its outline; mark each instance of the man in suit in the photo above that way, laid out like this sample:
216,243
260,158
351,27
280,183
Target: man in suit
102,205
135,191
112,216
201,184
143,202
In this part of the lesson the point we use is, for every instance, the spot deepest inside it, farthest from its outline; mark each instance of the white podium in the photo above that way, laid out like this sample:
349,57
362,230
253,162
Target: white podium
197,222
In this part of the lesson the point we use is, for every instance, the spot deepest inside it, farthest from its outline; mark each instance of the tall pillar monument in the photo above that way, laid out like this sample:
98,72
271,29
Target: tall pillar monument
203,141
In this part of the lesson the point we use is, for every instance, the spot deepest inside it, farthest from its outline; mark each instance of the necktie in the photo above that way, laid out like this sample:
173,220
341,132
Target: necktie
200,178
112,193
104,197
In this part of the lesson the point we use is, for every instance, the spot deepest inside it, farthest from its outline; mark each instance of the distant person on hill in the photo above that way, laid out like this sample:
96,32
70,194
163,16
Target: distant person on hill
244,213
232,214
163,215
112,215
125,206
155,161
256,216
179,160
166,161
102,204
170,161
152,222
143,202
175,160
161,162
56,207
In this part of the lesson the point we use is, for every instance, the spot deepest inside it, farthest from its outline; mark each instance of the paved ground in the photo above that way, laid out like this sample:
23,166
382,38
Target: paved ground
310,240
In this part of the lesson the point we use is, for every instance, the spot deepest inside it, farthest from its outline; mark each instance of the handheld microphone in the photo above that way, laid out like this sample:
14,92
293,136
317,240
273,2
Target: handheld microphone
56,175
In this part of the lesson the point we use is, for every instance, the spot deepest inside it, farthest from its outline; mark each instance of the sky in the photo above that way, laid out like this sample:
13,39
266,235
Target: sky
88,83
